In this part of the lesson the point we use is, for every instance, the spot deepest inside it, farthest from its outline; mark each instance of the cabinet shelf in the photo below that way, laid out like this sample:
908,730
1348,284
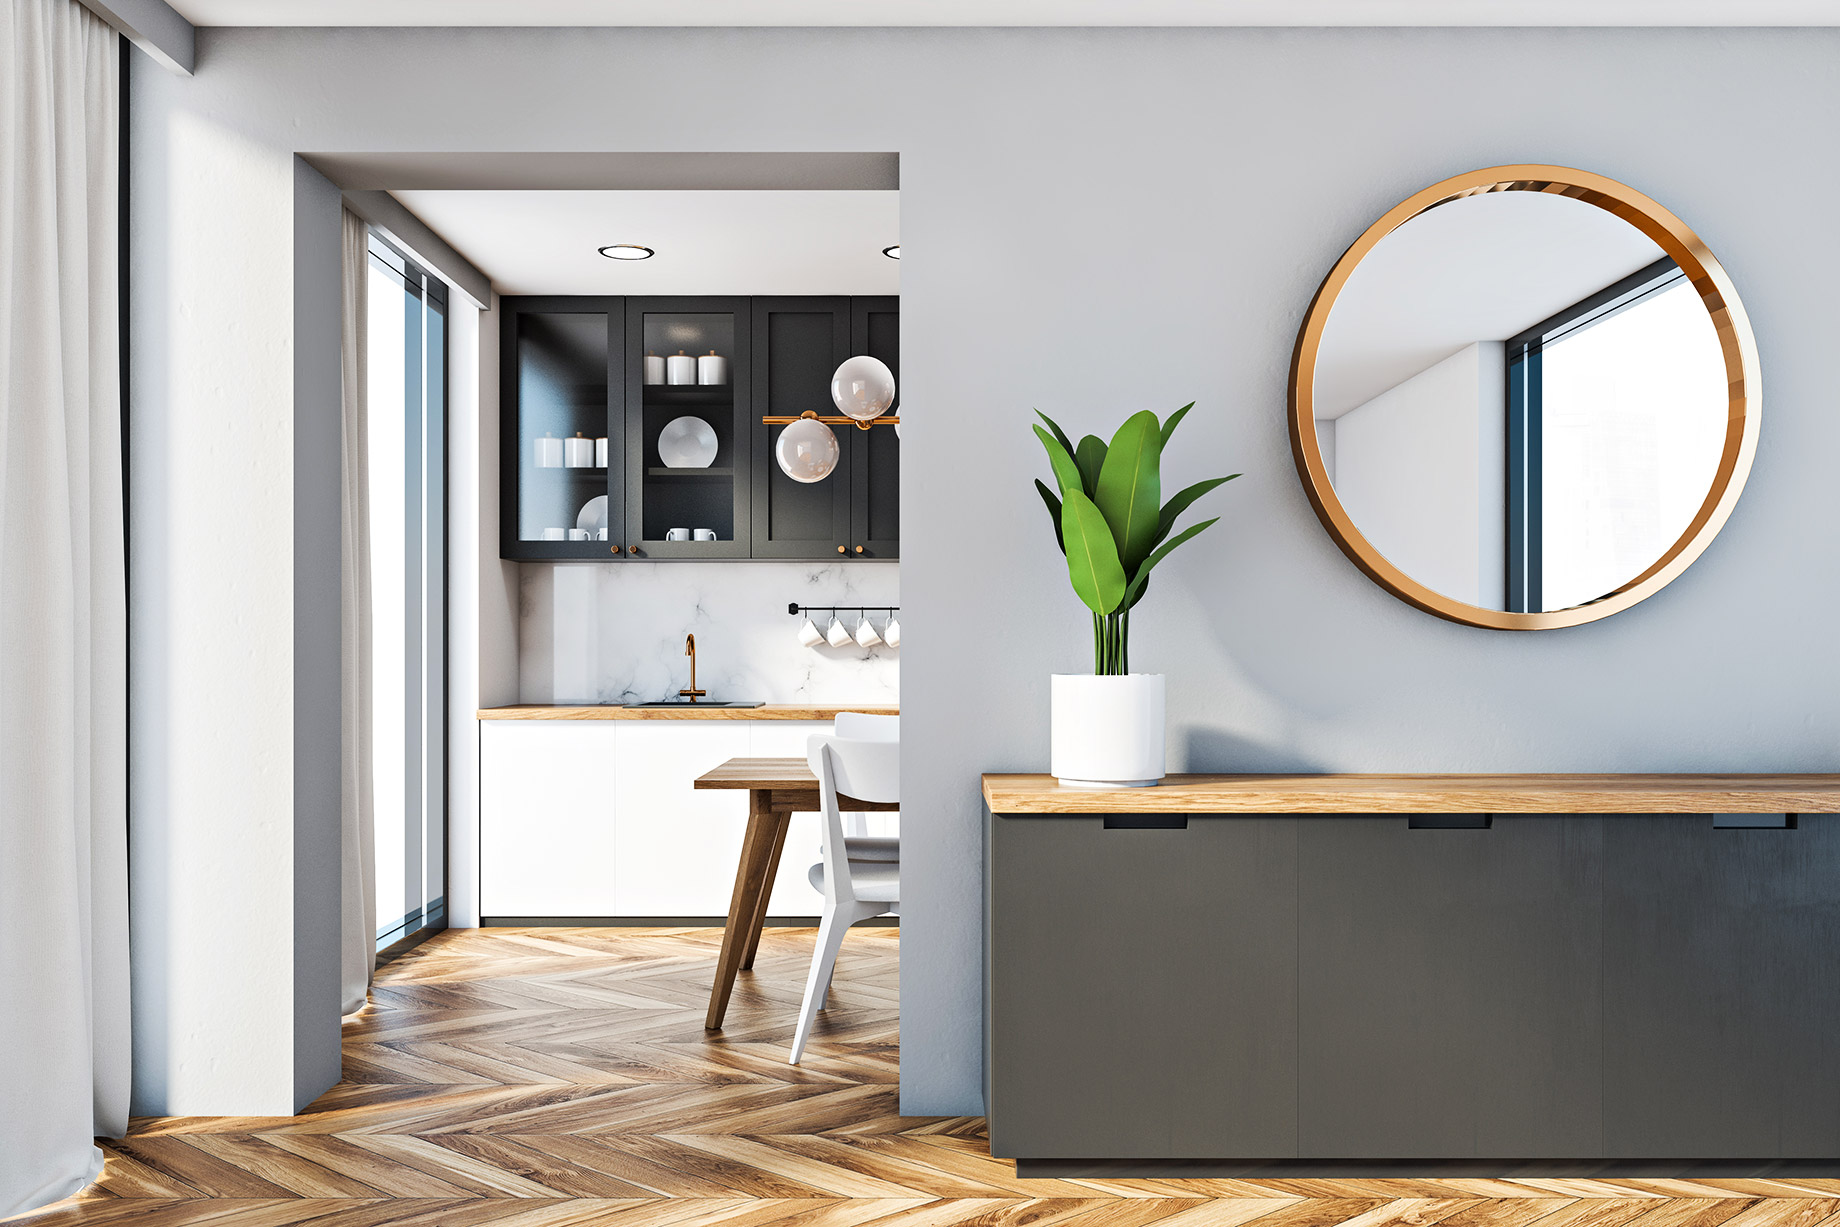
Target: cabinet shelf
667,471
688,394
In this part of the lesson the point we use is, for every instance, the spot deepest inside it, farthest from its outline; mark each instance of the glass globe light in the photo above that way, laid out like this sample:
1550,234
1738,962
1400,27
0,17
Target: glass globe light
863,388
807,451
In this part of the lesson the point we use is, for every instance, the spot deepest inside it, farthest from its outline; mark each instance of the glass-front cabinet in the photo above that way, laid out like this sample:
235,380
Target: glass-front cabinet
688,442
631,429
563,443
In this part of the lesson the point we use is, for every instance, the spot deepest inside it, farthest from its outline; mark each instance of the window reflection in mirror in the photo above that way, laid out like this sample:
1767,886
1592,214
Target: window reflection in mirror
1520,401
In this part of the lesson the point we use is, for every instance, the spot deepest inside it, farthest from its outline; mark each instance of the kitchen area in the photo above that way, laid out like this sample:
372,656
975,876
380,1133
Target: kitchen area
698,534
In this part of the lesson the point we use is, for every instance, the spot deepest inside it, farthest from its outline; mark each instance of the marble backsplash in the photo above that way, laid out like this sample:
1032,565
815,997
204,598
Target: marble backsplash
615,633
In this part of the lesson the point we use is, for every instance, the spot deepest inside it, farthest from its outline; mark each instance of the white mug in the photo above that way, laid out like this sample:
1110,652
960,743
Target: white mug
580,534
836,636
704,534
554,534
865,634
600,534
809,635
891,634
677,534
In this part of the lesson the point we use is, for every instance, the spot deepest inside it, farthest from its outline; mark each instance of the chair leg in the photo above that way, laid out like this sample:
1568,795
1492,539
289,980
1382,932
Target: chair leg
831,928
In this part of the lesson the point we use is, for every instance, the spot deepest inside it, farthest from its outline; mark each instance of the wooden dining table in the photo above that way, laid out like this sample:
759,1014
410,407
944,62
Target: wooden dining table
777,789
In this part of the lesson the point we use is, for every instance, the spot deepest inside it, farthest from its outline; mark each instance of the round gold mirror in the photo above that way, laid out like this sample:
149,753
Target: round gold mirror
1525,398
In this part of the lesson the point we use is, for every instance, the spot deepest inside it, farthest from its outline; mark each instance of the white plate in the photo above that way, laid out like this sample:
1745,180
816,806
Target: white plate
687,443
593,515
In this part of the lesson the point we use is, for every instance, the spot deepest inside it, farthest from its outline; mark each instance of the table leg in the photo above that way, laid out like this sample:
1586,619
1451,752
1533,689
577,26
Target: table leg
764,830
766,893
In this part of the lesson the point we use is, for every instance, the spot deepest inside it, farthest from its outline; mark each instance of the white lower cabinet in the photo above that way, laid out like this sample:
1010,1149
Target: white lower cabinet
595,818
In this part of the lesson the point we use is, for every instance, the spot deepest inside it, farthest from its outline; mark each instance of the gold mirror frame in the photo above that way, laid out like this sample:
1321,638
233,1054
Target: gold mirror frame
1735,339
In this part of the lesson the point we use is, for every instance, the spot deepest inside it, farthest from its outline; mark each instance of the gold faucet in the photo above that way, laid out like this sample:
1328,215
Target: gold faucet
693,694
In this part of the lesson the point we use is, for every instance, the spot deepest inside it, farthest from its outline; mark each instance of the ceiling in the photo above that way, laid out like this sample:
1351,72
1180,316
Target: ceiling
707,242
1481,268
1009,12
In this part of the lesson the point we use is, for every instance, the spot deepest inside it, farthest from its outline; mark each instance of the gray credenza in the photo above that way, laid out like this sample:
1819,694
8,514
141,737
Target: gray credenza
1358,968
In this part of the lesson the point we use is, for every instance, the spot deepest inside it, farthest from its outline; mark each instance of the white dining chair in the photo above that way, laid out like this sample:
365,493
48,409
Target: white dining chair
861,726
854,890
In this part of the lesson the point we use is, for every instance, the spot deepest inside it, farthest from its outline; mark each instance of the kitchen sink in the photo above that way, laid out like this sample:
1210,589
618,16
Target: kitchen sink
688,703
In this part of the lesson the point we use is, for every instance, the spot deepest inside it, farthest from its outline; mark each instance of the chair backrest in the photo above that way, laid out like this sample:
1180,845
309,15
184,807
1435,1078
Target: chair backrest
861,726
865,770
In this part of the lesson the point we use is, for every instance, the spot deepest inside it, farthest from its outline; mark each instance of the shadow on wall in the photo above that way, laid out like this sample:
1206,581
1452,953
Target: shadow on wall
1216,751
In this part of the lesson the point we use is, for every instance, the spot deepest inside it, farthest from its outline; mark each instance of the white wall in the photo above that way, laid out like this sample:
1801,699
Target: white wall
614,633
1239,164
1412,467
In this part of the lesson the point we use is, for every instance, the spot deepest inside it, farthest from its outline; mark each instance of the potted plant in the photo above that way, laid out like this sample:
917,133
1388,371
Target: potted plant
1113,527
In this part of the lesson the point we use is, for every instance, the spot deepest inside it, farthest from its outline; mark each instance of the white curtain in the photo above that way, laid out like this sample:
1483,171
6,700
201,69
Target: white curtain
64,1038
358,927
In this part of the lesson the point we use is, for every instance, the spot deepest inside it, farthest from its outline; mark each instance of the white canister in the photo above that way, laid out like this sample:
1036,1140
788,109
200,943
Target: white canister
549,452
578,453
600,453
712,368
654,369
1107,732
679,369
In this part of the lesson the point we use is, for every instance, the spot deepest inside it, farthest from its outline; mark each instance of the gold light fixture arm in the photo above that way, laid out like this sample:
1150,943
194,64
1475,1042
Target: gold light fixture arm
890,420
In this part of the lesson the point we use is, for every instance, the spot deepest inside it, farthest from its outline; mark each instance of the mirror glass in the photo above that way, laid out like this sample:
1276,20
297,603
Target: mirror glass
1520,402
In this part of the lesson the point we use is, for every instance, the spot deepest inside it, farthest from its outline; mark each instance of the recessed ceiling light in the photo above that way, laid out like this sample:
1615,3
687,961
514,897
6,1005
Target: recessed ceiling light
627,251
893,253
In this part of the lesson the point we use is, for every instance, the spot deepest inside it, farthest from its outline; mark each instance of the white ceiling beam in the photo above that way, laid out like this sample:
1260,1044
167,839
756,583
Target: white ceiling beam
154,27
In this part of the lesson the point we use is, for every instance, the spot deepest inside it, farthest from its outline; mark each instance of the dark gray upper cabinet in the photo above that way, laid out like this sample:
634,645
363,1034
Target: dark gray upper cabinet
576,366
660,498
800,342
562,359
875,460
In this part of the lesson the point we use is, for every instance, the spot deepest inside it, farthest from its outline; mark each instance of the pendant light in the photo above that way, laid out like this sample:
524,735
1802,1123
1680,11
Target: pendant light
807,450
863,389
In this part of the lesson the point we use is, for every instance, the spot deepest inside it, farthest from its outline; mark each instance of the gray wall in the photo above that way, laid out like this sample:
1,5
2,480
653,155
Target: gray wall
1231,167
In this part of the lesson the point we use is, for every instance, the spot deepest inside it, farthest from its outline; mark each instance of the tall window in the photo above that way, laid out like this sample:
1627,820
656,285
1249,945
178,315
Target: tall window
407,359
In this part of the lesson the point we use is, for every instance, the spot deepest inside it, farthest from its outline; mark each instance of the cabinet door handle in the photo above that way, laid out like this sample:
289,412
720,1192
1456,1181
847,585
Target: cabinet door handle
631,549
616,550
842,550
859,549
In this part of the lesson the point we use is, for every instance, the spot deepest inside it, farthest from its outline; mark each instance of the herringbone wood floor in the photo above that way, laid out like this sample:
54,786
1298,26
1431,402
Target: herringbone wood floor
551,1077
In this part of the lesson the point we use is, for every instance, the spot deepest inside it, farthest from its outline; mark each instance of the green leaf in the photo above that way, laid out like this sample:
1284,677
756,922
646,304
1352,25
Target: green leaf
1054,511
1059,434
1142,579
1091,458
1169,427
1092,556
1130,487
1066,472
1166,520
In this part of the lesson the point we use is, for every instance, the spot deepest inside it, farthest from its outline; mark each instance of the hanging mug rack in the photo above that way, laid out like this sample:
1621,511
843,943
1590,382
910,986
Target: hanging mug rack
795,609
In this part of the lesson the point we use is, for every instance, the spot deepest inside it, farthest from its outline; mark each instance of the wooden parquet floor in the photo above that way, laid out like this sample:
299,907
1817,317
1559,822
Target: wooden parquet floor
562,1077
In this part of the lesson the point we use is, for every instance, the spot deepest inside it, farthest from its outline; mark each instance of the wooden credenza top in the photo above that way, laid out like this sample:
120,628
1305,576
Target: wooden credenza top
1425,794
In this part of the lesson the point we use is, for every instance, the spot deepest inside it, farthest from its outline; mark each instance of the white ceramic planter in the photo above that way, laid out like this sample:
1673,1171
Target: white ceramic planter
1107,732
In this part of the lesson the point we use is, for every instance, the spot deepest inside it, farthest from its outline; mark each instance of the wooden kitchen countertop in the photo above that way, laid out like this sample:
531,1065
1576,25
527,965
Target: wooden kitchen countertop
772,711
1426,794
